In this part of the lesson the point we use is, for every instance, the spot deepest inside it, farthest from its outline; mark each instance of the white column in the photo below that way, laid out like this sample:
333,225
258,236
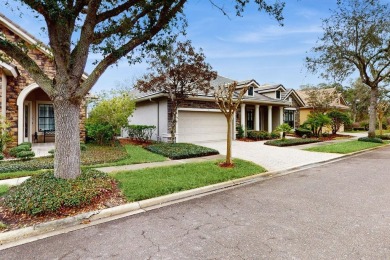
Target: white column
257,117
269,119
3,94
243,124
281,113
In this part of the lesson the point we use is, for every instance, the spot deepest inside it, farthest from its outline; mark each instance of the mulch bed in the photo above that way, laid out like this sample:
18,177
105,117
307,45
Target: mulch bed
108,199
124,141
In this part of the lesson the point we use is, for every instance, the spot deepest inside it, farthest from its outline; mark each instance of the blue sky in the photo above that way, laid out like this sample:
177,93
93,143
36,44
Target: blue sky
250,47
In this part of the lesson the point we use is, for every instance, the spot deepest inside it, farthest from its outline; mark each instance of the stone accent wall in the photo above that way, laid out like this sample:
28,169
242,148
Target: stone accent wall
16,85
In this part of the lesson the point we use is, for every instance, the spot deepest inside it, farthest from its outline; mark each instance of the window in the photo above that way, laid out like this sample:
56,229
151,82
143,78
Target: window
45,117
250,91
278,94
289,117
250,120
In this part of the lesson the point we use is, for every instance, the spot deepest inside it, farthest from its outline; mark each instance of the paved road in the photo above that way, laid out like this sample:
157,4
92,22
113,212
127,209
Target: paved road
335,211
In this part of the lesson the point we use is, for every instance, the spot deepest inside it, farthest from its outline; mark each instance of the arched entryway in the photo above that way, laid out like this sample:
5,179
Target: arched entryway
35,114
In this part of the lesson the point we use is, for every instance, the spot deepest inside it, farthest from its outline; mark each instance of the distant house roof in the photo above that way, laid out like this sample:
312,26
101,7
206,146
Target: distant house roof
338,102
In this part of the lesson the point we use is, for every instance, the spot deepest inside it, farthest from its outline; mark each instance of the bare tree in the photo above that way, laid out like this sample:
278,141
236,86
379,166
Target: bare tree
228,98
180,72
114,29
356,38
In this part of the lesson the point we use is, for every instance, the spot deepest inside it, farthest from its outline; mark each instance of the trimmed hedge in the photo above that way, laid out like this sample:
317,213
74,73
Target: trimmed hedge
383,137
262,135
45,193
25,155
20,148
302,131
291,142
371,139
180,150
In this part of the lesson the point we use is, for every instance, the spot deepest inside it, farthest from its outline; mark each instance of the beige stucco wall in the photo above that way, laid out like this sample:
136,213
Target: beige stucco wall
303,113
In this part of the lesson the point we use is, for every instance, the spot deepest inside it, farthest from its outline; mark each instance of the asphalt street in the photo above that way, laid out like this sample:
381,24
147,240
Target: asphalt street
339,210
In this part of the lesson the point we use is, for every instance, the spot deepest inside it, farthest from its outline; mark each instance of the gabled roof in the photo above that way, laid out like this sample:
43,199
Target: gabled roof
19,31
270,88
292,93
9,69
338,102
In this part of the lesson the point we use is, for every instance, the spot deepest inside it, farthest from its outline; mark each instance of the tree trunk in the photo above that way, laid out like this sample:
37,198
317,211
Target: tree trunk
372,112
229,140
173,123
67,139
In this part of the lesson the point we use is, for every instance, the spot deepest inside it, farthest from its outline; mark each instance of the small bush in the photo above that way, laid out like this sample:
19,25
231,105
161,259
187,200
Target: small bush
291,142
51,152
180,150
141,132
25,155
83,147
20,148
302,131
1,156
240,132
45,193
274,135
371,139
383,137
258,135
26,143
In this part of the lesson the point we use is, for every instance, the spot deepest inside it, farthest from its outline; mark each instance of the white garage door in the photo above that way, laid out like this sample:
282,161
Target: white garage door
201,126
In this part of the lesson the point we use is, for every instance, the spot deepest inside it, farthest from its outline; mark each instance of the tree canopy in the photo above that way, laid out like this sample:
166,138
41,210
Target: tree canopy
356,38
112,28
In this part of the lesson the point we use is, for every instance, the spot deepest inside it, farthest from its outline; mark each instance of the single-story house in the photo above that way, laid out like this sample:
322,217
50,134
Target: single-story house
264,107
22,102
338,103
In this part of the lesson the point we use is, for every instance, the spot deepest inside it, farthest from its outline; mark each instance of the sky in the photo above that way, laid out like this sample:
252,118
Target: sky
254,46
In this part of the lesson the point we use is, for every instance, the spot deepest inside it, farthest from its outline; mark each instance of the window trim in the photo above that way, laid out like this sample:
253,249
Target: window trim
38,103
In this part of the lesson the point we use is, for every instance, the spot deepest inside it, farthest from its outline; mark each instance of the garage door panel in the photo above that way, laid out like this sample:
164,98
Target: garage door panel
201,126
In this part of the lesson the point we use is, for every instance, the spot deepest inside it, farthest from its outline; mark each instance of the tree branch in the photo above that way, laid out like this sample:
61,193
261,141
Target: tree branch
28,64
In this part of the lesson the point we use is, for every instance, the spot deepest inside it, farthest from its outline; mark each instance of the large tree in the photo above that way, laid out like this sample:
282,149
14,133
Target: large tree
113,28
178,71
356,38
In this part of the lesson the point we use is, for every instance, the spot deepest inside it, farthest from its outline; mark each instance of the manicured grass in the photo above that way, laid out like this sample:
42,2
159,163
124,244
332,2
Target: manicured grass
180,150
95,156
135,154
3,190
344,147
153,182
291,142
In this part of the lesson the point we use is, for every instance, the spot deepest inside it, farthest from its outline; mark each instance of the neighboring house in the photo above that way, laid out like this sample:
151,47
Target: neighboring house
22,102
199,118
338,103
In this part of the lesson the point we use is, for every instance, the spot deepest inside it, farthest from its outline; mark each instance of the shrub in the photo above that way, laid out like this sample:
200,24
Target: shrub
291,142
25,155
51,152
1,156
26,143
258,135
383,137
141,132
180,150
101,133
338,118
5,135
274,135
302,131
371,139
284,128
83,147
45,193
316,121
240,132
20,148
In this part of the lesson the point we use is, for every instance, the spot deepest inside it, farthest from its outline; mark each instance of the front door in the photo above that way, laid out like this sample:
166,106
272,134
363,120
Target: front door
249,120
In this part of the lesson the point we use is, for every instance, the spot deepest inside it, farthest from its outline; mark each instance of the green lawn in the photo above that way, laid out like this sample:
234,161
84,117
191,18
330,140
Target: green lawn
3,190
134,154
344,147
154,182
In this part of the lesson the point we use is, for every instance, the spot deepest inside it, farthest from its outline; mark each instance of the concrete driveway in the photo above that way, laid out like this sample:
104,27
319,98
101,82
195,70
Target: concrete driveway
270,157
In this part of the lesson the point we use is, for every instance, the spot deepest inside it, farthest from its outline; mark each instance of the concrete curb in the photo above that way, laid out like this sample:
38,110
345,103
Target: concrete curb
85,219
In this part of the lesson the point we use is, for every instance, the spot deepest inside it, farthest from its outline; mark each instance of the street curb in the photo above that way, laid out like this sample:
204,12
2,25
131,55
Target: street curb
88,218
